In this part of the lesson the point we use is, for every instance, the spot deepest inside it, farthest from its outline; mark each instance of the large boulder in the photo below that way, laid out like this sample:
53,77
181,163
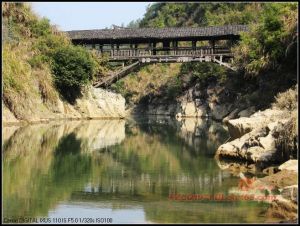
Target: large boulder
239,127
258,145
100,103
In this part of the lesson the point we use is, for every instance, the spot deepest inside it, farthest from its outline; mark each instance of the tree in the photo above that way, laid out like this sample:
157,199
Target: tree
73,67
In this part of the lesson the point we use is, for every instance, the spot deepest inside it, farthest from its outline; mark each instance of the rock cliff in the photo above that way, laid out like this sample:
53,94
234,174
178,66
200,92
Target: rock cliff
94,103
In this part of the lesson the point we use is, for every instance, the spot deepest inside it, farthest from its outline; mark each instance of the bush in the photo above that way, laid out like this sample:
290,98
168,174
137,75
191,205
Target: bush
173,88
37,61
73,67
265,46
41,28
203,71
287,100
287,137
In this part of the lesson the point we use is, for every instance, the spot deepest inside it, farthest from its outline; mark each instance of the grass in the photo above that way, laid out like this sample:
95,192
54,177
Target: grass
287,100
287,137
29,47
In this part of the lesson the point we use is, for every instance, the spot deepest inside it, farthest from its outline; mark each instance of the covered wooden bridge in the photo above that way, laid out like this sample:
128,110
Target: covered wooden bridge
149,45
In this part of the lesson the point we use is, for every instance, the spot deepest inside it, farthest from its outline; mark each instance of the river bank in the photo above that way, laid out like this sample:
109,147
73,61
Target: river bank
265,143
93,104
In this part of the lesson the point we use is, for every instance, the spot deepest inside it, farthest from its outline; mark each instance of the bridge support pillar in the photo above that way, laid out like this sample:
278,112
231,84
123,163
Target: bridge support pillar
112,50
136,49
194,45
101,48
166,46
213,44
154,48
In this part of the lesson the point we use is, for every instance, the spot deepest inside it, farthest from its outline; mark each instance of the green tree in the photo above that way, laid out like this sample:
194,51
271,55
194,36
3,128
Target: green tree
73,67
265,46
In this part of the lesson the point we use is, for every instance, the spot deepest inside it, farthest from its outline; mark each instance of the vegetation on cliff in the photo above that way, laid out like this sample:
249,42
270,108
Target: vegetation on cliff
263,55
39,62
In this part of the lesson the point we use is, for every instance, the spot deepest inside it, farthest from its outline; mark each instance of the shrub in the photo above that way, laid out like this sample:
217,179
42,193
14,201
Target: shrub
41,28
173,88
287,137
287,100
73,67
265,46
37,61
204,71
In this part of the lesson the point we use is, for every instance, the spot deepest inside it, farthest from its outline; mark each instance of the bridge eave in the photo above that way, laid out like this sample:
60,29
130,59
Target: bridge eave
151,40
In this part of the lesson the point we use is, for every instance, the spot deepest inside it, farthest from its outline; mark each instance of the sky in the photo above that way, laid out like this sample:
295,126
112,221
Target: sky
89,15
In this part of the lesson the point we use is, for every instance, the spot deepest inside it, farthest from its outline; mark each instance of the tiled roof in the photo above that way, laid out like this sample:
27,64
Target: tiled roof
157,33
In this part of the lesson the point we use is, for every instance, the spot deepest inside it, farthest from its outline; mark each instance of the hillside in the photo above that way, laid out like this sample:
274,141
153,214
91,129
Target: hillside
44,75
263,56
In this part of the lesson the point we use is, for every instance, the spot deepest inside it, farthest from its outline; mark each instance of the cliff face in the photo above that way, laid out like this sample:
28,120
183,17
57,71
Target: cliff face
214,100
94,103
232,98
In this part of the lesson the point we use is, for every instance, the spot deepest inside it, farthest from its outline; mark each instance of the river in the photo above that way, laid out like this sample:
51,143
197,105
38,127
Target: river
141,170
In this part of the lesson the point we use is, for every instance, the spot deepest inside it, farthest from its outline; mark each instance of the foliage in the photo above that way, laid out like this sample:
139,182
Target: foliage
199,14
41,27
73,67
134,24
14,68
287,100
44,44
232,13
173,88
264,47
204,71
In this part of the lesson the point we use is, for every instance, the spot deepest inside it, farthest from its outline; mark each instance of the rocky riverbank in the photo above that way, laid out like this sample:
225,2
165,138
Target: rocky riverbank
259,144
95,103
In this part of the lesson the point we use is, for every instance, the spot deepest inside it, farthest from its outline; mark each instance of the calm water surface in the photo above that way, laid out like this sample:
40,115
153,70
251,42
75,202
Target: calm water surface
124,170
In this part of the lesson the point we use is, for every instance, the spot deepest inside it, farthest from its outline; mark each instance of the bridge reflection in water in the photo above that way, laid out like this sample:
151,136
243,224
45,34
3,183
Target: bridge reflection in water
130,167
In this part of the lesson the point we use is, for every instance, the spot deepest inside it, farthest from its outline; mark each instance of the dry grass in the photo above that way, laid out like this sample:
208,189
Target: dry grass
27,89
287,139
22,84
287,100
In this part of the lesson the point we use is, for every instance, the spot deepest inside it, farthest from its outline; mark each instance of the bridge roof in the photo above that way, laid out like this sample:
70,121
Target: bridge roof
157,33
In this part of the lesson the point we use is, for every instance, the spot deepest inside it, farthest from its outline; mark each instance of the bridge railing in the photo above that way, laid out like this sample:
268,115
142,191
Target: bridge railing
179,51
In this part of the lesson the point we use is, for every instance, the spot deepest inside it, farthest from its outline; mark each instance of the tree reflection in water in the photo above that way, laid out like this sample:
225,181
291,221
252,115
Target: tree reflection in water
93,162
